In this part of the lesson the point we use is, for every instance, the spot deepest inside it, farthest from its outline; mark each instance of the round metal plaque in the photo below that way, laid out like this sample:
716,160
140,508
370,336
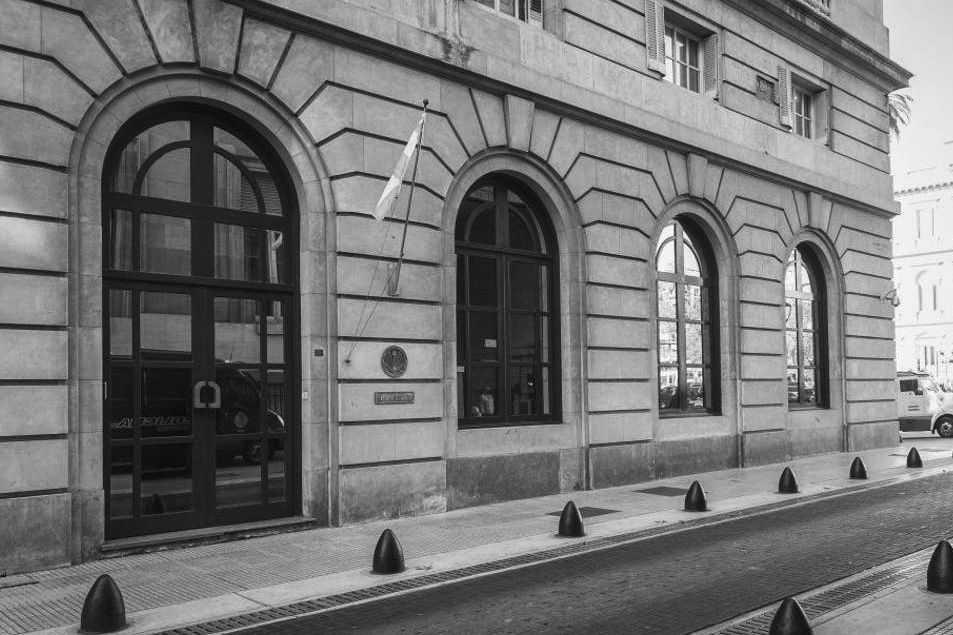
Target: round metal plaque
394,361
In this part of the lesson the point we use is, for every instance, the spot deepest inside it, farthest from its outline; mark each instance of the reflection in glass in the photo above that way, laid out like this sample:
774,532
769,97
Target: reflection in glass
483,392
693,343
237,330
668,342
691,261
144,145
791,348
521,235
120,482
121,402
166,244
483,336
483,281
525,286
169,177
121,247
693,302
275,325
667,306
666,258
120,323
668,388
483,229
166,402
808,354
523,391
522,337
696,388
239,253
807,313
166,478
165,324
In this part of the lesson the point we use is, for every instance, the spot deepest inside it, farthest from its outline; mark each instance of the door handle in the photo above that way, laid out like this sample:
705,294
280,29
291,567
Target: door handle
216,402
197,394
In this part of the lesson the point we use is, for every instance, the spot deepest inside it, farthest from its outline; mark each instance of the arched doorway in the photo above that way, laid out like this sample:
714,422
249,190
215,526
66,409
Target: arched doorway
200,329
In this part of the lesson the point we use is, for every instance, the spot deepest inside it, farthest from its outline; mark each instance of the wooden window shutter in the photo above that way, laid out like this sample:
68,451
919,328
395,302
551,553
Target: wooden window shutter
655,35
535,12
784,95
712,61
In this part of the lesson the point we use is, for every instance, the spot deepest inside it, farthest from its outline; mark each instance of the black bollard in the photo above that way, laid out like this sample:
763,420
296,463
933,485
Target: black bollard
104,610
857,469
388,556
788,482
940,570
790,620
695,500
913,458
570,522
155,505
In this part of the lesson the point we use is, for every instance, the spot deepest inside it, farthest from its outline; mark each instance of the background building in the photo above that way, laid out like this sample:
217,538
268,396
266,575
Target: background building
648,238
923,269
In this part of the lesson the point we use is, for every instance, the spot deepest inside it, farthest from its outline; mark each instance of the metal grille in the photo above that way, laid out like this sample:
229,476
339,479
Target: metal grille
840,596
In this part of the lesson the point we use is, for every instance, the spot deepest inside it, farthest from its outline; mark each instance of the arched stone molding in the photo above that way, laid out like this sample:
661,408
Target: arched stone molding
725,252
567,223
822,248
293,145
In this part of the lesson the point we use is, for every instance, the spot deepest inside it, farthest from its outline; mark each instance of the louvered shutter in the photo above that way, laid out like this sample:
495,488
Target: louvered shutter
784,95
535,12
655,35
712,61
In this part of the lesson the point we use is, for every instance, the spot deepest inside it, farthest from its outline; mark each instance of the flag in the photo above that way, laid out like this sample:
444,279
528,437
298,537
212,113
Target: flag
392,189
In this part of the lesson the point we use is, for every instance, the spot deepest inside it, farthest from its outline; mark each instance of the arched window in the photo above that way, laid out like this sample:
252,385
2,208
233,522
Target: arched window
687,321
507,355
805,331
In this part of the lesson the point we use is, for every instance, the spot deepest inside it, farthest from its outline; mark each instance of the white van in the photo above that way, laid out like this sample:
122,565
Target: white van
922,406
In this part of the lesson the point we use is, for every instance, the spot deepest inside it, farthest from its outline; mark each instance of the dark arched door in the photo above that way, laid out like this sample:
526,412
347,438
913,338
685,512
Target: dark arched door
199,273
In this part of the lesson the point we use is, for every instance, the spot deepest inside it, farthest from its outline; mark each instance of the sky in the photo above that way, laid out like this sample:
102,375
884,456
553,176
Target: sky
921,40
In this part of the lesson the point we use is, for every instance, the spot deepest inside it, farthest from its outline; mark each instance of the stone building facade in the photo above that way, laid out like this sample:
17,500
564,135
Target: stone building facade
648,238
923,269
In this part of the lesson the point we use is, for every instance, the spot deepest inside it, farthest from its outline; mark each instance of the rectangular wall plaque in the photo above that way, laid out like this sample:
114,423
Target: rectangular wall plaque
391,398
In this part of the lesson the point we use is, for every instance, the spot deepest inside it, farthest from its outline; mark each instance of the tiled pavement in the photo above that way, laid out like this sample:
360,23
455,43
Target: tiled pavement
281,568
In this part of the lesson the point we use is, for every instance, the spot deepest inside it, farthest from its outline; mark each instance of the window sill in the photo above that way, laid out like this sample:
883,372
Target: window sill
796,408
688,415
472,425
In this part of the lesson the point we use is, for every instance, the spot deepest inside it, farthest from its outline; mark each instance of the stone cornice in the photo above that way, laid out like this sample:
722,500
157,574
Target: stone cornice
930,187
813,30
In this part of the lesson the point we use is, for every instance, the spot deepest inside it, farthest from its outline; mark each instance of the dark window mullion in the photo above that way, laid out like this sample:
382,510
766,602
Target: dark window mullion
136,406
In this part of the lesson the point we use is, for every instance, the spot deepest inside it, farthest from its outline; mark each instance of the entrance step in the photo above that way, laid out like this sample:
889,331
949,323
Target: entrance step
204,536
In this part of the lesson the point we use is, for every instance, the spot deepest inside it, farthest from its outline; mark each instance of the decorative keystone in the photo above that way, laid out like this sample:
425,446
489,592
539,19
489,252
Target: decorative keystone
570,522
388,556
788,482
857,469
104,610
155,505
940,570
790,620
913,458
695,500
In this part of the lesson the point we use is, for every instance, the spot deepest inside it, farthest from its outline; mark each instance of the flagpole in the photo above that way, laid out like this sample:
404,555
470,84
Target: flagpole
393,282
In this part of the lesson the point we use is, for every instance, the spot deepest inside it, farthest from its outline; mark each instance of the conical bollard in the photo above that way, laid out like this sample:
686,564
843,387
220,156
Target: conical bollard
913,458
570,522
788,482
388,556
857,469
104,610
940,570
155,505
790,620
695,500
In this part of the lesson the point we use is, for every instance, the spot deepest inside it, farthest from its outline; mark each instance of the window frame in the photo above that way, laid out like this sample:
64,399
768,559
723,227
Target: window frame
671,72
803,260
803,119
504,256
518,6
707,282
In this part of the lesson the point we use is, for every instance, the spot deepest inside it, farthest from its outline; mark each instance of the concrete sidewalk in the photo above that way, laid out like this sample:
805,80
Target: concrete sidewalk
213,581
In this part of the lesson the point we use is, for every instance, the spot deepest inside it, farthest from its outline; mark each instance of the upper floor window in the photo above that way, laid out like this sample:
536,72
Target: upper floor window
803,111
925,227
683,63
805,331
507,356
525,10
687,321
686,52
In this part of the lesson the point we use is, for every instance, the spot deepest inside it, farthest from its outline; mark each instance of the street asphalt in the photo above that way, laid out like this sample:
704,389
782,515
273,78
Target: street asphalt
676,583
